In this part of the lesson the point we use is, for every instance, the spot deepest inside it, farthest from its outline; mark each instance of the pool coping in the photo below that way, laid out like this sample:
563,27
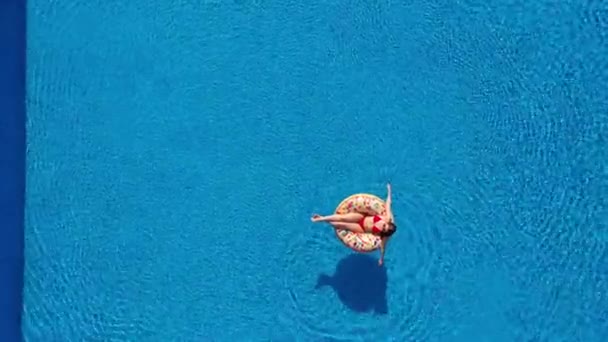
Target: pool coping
12,166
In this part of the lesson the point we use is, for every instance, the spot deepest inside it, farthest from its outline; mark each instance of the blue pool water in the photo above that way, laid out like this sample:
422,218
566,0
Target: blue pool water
176,150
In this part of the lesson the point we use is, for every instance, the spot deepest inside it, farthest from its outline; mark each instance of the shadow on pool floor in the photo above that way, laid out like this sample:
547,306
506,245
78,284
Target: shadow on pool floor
359,282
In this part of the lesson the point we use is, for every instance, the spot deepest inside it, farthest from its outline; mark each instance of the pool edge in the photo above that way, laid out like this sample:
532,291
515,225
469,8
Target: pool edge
12,166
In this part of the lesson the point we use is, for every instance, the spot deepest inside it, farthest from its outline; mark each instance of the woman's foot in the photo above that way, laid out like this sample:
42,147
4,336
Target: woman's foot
315,218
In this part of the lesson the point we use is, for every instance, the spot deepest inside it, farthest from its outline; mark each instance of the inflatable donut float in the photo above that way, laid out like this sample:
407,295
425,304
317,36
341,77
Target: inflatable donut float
365,204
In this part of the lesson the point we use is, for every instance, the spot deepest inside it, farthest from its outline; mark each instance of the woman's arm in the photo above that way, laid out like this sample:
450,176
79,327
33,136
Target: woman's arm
382,247
389,211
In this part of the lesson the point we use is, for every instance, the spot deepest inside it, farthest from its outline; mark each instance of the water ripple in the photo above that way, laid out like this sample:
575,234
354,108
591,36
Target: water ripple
413,270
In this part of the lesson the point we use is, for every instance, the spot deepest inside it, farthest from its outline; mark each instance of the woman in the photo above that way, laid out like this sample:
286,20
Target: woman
380,225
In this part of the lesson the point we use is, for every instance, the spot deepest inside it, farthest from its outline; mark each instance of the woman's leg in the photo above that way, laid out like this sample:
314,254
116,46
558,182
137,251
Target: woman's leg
353,227
350,217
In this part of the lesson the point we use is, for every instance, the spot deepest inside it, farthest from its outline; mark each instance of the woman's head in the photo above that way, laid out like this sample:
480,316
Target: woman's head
389,229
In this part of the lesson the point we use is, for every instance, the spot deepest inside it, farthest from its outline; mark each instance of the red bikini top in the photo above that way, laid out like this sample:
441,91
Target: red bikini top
374,228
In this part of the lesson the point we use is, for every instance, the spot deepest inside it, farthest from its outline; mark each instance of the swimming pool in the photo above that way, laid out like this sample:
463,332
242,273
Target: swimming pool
175,152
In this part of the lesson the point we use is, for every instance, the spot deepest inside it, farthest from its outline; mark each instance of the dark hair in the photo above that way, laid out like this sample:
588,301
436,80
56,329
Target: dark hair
389,232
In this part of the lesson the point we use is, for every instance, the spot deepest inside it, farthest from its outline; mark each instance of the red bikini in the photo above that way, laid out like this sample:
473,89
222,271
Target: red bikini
375,229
